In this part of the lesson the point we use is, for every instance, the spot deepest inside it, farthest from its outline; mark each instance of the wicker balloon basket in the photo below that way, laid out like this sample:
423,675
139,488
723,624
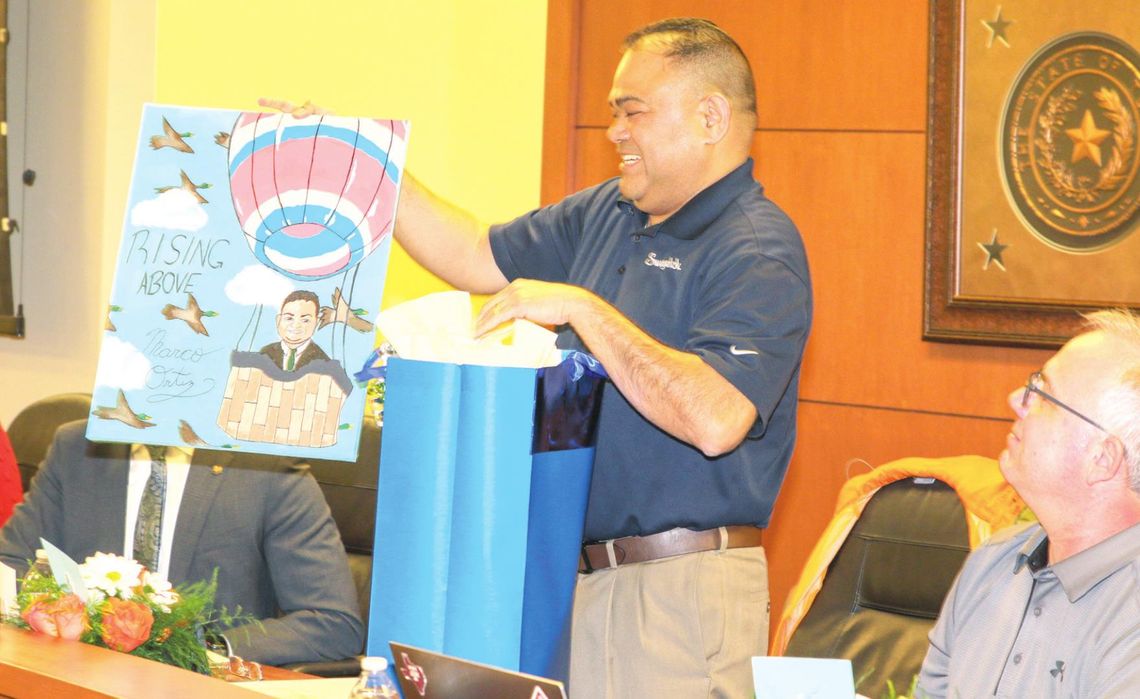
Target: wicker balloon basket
264,404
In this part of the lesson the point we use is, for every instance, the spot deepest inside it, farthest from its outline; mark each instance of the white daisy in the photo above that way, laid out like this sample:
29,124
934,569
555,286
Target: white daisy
159,591
114,576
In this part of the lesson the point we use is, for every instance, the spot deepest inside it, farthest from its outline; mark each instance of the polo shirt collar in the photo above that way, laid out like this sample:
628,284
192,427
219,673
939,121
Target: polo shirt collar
1083,571
699,212
1034,552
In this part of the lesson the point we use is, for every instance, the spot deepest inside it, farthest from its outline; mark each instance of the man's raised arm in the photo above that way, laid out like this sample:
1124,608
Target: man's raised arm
446,239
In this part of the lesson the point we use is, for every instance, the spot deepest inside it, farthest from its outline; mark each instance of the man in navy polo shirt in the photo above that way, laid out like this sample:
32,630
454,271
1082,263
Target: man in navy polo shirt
692,289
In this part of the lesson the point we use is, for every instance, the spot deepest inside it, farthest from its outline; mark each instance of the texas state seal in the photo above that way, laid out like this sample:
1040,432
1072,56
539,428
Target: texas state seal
1068,142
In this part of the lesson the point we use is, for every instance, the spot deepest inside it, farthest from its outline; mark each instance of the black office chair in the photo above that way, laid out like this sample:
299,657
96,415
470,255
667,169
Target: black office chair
885,587
350,490
33,428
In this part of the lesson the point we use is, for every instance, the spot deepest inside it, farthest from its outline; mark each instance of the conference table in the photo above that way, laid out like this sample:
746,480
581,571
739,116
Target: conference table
34,665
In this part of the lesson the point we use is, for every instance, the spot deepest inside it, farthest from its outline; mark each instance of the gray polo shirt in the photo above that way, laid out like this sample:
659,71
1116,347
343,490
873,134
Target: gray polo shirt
1013,626
725,278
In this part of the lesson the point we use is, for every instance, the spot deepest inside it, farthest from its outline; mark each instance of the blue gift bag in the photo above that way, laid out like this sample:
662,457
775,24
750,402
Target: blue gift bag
481,499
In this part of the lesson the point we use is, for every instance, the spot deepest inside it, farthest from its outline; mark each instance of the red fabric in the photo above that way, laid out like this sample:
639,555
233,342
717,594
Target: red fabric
11,491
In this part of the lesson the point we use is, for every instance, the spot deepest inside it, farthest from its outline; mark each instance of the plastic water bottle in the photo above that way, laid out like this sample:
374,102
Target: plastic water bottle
374,682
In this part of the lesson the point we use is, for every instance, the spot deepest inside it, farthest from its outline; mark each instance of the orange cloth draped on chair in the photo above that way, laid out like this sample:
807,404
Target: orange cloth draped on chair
989,501
11,491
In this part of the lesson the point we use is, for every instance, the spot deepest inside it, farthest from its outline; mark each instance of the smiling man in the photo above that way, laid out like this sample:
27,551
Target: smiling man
296,324
692,289
1053,609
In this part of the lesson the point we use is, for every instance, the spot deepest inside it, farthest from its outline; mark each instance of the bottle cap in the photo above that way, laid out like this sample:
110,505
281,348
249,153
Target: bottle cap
374,663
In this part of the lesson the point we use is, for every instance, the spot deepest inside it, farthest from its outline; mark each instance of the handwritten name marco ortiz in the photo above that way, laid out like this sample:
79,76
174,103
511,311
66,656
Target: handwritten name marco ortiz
668,263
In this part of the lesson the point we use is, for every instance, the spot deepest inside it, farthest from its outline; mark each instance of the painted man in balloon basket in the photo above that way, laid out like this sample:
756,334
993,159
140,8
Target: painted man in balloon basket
296,324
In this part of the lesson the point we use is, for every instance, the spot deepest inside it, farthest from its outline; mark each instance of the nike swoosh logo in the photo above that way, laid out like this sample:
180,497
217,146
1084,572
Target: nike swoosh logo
739,352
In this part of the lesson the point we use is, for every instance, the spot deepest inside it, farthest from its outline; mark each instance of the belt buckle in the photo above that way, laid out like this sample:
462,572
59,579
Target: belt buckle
586,568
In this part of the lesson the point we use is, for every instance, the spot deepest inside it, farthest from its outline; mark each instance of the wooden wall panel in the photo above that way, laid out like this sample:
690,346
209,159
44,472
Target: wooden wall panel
858,199
560,100
597,157
819,64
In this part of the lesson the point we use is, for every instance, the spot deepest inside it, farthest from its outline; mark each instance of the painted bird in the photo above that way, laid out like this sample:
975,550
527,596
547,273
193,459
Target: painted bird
341,312
123,413
222,139
189,187
189,436
192,314
109,325
171,139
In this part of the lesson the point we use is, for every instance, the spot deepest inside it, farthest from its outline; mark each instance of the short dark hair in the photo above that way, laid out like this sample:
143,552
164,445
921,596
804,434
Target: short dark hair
303,295
700,44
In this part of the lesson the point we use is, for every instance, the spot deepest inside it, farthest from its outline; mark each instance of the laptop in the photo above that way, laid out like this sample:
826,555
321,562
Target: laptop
428,675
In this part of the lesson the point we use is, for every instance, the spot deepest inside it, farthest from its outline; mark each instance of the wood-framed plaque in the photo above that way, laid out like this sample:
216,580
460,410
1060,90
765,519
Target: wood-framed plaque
1033,168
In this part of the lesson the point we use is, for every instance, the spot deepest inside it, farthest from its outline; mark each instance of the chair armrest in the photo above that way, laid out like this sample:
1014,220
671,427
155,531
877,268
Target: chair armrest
347,667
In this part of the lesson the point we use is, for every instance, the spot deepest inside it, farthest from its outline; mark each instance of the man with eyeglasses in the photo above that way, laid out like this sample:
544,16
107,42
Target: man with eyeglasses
1052,609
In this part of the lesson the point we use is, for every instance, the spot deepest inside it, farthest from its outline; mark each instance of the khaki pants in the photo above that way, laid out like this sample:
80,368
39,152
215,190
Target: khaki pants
682,627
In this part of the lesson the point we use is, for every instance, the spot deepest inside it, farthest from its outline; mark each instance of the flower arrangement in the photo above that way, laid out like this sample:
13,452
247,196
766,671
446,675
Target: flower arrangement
128,609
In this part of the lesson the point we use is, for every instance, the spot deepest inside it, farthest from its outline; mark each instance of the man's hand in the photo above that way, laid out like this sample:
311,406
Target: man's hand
675,390
544,303
298,111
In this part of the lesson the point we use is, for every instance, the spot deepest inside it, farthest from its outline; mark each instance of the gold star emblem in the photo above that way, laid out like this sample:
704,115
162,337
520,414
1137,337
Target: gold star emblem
1086,139
216,470
997,27
993,250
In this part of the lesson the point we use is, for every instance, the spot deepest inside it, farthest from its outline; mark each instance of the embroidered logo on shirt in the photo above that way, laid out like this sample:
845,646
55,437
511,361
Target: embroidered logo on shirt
667,263
738,352
1058,672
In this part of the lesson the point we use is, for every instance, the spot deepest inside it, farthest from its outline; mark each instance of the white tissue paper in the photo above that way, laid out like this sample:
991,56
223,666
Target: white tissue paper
440,328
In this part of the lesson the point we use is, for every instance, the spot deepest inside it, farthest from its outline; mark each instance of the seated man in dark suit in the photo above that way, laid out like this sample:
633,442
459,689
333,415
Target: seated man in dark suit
296,324
263,524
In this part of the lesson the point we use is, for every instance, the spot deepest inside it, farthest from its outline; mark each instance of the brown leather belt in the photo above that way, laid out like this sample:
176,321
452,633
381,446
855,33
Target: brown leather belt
674,542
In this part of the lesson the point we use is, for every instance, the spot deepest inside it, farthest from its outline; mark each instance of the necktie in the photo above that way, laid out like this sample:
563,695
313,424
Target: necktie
292,359
148,526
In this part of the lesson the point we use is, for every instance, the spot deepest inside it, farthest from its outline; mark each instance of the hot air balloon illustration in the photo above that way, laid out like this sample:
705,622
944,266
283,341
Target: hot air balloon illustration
309,193
314,197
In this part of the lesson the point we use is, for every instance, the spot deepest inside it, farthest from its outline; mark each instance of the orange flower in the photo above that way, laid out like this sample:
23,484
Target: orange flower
71,617
39,617
126,624
65,617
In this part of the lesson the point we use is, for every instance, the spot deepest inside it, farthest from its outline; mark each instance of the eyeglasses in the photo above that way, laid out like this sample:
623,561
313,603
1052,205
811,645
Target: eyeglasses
1033,385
